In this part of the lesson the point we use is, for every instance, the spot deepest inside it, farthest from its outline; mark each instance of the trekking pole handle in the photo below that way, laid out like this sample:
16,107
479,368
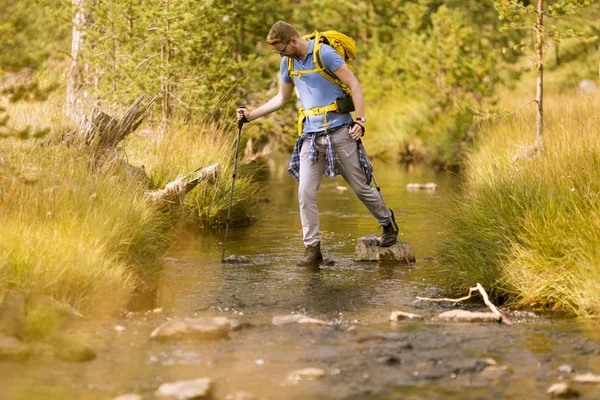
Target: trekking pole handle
242,121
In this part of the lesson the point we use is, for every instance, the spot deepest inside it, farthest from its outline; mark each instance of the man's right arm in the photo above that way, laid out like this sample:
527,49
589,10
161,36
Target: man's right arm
282,97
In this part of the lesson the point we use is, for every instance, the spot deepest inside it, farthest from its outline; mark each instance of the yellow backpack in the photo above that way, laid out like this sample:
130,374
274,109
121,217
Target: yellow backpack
346,48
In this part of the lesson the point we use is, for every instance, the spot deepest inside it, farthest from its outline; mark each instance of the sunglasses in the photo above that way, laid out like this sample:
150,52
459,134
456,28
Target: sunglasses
281,51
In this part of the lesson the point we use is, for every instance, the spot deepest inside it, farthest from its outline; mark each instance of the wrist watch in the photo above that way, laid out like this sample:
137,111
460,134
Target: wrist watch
361,119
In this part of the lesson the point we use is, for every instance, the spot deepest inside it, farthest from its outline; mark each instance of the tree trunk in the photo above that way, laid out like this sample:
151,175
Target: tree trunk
166,78
75,75
539,52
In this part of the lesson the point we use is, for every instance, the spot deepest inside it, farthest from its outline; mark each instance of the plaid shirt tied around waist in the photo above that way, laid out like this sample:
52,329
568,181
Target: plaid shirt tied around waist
330,170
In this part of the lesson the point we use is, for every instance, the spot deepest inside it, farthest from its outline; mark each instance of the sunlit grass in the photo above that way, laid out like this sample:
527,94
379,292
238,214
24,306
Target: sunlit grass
188,148
529,229
88,236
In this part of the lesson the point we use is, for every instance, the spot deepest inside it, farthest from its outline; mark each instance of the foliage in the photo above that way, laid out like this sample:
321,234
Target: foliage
32,32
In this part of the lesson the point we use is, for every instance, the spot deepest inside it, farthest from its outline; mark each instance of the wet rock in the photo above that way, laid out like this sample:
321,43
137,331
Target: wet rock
237,325
129,396
478,366
307,374
562,390
587,378
233,259
281,320
388,360
12,313
468,316
191,389
10,348
367,249
71,350
401,315
203,328
421,186
241,396
328,262
495,372
565,369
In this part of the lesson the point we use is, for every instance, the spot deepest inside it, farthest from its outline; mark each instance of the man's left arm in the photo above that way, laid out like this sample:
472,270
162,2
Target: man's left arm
350,80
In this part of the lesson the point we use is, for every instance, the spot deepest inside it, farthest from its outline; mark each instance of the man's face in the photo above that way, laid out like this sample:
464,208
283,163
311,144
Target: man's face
283,49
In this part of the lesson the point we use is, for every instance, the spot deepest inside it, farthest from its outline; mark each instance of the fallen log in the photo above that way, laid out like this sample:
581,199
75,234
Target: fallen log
486,300
174,192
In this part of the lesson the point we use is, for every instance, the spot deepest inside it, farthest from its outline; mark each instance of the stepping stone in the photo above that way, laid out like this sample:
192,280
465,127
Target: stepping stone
367,249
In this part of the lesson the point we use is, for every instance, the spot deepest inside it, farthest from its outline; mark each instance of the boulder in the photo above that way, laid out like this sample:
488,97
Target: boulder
367,249
401,315
193,329
469,316
191,389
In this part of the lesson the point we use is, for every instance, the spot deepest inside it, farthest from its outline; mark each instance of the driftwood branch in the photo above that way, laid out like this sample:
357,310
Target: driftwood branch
486,300
175,191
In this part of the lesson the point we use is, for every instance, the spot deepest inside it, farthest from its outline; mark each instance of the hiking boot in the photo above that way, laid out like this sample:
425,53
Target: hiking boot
312,256
390,233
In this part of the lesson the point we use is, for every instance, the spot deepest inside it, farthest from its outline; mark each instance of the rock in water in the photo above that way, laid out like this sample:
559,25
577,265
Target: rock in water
367,249
192,329
469,316
192,389
233,259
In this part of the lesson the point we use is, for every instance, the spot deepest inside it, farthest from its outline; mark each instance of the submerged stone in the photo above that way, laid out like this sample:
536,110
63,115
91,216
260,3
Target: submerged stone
281,320
307,374
469,316
367,249
401,315
190,389
192,328
129,396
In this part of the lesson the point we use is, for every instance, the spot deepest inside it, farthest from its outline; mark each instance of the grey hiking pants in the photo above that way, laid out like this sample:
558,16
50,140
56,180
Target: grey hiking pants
347,163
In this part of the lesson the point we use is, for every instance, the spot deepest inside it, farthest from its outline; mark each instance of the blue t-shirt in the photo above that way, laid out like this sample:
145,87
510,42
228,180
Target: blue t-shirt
315,90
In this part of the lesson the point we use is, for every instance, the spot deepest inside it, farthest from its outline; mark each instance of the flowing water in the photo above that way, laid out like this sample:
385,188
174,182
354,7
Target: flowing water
363,354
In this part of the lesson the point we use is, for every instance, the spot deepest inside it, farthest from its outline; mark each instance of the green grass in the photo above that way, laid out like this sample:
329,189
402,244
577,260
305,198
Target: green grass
528,230
88,236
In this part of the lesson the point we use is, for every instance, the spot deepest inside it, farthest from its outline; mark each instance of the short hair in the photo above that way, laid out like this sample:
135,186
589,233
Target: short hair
281,32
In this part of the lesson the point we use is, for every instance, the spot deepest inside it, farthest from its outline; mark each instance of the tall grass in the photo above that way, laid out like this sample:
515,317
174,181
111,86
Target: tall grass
87,236
187,148
529,230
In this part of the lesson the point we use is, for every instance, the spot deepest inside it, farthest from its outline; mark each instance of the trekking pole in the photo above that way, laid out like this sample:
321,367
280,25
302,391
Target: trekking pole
237,148
393,220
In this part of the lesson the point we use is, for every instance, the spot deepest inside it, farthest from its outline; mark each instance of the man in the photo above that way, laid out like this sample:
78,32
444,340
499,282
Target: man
329,140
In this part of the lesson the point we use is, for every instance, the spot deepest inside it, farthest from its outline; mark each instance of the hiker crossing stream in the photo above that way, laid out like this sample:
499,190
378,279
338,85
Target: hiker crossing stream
289,332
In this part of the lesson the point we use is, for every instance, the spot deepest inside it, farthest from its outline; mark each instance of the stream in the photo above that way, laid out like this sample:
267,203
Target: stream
363,355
